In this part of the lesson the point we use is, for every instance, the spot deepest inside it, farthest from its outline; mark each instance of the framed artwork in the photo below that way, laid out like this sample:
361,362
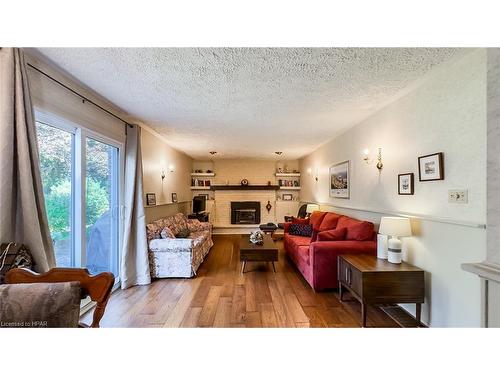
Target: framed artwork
405,184
174,197
287,197
339,180
431,167
151,199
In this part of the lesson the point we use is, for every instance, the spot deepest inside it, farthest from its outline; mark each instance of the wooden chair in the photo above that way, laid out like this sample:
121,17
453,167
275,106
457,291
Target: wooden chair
97,287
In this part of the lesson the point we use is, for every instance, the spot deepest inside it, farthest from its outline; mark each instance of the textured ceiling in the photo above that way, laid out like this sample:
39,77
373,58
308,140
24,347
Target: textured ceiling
248,102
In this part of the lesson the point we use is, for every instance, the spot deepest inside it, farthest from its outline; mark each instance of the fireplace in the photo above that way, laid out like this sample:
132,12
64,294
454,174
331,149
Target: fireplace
245,212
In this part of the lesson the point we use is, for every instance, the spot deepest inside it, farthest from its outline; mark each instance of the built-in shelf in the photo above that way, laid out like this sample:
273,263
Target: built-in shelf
202,174
244,187
200,187
289,187
287,174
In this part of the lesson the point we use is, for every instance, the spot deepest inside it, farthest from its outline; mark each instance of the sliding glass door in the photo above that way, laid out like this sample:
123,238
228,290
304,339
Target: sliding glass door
57,169
101,203
81,183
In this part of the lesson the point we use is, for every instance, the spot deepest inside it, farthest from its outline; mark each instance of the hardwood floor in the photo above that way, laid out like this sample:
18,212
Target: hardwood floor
219,296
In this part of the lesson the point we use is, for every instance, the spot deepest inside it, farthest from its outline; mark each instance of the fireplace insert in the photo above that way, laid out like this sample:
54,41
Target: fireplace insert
245,212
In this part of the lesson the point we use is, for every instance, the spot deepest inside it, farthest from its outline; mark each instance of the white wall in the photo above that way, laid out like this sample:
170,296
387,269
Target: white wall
157,155
445,113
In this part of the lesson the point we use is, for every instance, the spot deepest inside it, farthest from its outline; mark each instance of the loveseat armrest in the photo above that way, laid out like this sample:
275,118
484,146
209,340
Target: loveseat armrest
179,245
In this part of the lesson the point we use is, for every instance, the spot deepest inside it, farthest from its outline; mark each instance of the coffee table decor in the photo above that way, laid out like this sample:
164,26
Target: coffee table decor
257,237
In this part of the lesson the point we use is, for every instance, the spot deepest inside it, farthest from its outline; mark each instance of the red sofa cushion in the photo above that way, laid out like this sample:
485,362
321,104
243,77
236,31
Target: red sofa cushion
332,235
356,230
316,218
329,221
298,220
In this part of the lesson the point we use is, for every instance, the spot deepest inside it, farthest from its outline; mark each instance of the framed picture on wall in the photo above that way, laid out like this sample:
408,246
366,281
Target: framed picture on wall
339,180
151,199
287,197
431,167
174,197
405,184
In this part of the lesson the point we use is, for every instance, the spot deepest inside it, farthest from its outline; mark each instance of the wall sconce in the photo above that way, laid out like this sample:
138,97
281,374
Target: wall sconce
368,160
162,174
171,168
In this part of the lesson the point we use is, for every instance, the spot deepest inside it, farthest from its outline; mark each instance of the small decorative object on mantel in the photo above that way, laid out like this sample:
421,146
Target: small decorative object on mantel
405,184
151,199
198,171
431,167
174,198
268,206
268,183
244,182
257,237
209,171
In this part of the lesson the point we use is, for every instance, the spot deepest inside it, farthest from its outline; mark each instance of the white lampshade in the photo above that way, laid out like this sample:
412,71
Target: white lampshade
395,226
311,207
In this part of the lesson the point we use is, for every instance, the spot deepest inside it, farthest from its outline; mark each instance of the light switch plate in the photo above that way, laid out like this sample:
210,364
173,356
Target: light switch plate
457,196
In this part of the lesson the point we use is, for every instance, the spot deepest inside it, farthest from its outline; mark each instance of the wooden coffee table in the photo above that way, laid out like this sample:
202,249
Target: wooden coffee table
249,252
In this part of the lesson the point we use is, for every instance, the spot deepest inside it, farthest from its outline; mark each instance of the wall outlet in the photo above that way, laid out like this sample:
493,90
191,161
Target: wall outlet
457,196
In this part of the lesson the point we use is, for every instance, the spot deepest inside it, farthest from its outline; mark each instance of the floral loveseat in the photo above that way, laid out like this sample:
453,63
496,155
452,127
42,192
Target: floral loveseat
177,257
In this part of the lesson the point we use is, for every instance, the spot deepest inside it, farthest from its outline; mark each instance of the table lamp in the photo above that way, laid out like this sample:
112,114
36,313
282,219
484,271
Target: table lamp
395,227
311,207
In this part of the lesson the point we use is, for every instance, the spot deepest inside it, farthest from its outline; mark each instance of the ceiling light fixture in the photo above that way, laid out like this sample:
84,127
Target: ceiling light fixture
213,152
278,152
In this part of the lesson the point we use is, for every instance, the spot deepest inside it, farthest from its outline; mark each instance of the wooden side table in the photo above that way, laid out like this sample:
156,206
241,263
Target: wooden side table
374,281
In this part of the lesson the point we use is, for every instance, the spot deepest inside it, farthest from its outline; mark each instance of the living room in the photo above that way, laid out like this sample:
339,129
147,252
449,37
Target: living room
250,187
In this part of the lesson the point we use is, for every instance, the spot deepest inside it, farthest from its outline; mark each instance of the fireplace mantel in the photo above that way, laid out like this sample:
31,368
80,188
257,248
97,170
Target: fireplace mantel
244,187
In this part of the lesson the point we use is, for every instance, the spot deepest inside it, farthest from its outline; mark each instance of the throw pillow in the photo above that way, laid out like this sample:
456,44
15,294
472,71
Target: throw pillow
183,233
167,233
316,218
298,220
304,230
332,235
360,232
329,221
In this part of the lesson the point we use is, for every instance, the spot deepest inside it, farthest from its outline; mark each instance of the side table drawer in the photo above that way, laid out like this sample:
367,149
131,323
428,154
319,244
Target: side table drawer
350,276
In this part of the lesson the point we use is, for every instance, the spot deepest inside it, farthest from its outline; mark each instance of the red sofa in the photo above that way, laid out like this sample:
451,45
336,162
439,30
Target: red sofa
316,258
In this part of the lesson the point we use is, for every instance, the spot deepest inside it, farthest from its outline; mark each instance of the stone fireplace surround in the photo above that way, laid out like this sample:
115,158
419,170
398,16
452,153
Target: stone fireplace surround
222,206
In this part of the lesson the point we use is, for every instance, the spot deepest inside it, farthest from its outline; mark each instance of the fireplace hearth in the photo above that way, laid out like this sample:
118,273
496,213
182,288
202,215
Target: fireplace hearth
245,212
